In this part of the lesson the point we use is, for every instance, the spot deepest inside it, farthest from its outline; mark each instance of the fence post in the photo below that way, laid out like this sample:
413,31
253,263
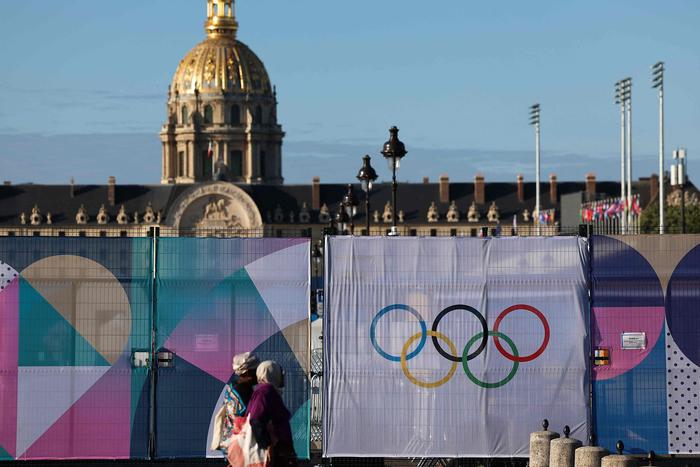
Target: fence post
154,233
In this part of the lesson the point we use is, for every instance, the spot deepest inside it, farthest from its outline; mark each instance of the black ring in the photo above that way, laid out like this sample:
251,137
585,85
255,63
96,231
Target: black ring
484,328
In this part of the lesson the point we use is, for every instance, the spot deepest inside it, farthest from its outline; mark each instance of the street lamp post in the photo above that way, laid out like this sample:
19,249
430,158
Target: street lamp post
678,179
367,176
535,120
620,99
350,206
658,83
394,150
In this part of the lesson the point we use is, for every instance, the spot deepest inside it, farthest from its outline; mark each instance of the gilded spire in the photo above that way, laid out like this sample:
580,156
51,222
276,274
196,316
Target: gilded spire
221,18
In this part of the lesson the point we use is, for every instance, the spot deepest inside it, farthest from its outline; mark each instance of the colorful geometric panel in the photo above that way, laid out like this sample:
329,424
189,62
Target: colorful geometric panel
647,397
66,324
254,297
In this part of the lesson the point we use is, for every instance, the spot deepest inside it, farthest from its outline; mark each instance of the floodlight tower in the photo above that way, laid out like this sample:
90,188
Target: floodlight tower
535,120
619,99
658,83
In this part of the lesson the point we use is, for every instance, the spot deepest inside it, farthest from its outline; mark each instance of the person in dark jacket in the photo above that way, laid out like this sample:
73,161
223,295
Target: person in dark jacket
269,418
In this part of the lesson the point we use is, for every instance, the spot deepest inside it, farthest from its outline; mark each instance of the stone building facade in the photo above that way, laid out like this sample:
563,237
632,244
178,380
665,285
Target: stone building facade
222,111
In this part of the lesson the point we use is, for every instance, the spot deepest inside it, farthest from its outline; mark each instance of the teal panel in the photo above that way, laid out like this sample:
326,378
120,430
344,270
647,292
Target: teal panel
4,455
46,338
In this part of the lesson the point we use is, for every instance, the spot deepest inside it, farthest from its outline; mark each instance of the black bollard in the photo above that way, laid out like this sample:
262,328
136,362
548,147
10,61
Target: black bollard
620,447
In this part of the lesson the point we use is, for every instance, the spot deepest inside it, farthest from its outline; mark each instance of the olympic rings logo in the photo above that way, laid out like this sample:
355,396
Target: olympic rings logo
451,354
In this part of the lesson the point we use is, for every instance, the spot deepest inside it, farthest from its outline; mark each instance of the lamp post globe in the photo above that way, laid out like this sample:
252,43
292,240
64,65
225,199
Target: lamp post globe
342,219
367,176
350,205
394,150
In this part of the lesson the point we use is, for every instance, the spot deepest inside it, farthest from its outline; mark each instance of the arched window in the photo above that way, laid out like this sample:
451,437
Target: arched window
258,115
208,114
185,115
235,115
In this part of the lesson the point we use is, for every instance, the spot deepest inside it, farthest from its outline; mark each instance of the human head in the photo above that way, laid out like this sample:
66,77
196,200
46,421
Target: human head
270,372
245,363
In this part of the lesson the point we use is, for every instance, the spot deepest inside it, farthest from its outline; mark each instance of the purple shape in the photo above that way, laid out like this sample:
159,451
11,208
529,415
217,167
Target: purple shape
608,324
97,426
683,305
9,343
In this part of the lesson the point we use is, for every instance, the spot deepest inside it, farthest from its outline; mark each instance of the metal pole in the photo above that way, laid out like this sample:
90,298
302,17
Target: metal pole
662,198
683,207
623,147
367,210
629,155
537,176
393,195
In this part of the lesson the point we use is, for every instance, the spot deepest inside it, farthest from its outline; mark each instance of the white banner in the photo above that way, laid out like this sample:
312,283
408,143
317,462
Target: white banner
453,347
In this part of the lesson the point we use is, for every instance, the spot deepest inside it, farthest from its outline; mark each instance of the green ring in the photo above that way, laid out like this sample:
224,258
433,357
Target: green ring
470,375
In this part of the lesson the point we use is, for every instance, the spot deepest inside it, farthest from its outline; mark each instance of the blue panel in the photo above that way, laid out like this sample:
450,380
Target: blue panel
632,406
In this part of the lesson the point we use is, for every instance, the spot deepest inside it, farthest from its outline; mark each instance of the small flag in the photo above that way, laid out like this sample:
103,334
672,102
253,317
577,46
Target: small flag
210,151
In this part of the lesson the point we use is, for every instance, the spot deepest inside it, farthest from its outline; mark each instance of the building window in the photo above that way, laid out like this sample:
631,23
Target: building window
263,163
236,163
122,233
185,115
453,232
235,115
181,164
103,233
208,114
433,232
413,232
81,233
37,234
258,115
61,233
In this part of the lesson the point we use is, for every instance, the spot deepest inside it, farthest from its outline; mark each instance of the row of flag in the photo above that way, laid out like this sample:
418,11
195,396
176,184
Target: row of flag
608,209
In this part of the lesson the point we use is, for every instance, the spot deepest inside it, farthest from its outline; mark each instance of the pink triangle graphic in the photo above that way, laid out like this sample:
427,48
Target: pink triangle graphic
9,336
45,394
97,426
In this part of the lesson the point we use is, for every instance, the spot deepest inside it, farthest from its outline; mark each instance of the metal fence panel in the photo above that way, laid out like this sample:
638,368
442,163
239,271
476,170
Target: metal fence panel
645,330
217,298
71,312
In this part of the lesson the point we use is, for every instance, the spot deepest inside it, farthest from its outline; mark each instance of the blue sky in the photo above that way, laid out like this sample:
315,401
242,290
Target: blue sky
83,83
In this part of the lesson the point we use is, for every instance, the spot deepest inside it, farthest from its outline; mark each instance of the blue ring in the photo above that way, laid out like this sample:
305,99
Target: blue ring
373,332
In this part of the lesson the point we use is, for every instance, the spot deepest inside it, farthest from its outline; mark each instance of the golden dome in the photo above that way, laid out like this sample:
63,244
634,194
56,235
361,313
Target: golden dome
221,62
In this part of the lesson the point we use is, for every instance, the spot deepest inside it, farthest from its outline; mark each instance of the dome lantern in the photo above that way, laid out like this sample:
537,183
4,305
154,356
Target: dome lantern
221,18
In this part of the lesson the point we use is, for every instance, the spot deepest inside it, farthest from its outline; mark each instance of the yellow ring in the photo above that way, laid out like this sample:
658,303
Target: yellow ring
404,362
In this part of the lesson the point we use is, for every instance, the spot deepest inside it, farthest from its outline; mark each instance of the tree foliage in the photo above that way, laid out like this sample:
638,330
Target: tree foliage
649,222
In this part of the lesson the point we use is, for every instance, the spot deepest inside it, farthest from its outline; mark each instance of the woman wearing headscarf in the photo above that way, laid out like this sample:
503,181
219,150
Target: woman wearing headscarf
269,418
237,396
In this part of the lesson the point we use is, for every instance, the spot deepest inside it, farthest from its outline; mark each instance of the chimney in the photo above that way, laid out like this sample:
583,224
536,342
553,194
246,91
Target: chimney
521,189
112,191
316,193
444,189
426,180
553,188
479,189
590,186
653,186
72,187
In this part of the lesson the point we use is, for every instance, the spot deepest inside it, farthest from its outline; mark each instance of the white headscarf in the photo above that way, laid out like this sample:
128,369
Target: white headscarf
245,362
270,372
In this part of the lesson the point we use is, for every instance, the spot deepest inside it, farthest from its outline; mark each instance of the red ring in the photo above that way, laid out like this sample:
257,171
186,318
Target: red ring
525,358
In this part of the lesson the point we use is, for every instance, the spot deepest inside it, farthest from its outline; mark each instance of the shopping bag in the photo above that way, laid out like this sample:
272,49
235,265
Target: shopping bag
218,427
244,450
